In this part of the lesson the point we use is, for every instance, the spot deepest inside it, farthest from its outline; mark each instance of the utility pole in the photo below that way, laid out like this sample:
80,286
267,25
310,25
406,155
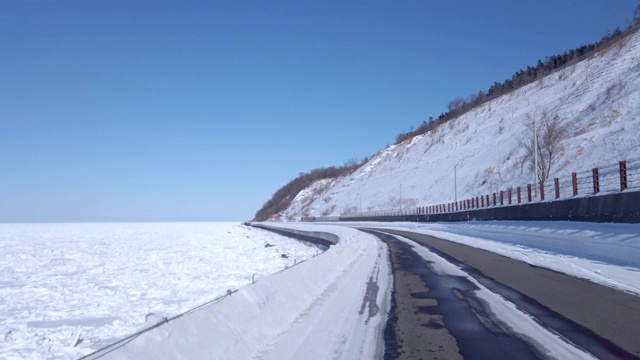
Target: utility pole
535,157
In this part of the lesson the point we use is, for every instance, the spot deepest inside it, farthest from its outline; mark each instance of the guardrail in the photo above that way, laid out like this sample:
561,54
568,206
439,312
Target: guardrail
320,238
625,176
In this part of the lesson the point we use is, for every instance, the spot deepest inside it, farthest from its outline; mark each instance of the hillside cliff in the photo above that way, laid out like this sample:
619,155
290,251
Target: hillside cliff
596,100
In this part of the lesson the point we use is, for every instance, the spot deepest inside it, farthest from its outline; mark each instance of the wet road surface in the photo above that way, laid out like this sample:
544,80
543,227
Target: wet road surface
438,316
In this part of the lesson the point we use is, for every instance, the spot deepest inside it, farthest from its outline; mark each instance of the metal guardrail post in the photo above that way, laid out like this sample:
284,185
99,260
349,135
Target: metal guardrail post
574,182
509,191
596,181
501,197
518,189
623,176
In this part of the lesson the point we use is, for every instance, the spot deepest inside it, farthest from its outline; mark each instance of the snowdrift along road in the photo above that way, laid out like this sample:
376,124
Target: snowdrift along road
331,306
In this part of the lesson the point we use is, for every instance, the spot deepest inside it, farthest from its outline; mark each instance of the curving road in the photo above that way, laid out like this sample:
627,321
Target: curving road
436,315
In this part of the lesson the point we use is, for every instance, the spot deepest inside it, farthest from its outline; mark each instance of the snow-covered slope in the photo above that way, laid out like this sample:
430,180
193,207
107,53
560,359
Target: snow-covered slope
597,99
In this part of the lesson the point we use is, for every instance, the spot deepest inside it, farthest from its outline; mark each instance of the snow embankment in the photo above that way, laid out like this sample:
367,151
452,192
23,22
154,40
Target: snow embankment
331,306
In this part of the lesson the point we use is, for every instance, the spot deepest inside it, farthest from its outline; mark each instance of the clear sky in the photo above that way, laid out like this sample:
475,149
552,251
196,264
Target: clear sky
200,110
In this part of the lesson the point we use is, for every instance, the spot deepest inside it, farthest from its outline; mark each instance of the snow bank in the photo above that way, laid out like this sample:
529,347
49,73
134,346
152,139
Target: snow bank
325,307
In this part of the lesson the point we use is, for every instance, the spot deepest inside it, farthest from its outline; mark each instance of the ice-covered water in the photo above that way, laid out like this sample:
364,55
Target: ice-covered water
67,289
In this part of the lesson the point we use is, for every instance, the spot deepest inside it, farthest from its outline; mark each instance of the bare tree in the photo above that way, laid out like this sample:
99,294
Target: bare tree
550,132
455,104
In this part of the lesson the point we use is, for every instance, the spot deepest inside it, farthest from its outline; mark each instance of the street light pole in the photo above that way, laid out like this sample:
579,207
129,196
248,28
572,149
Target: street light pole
455,182
535,157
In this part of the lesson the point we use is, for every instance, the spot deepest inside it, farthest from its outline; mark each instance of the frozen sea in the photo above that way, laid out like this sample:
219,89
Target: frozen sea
69,289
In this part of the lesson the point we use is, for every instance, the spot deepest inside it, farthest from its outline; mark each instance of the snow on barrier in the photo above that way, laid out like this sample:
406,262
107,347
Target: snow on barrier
291,314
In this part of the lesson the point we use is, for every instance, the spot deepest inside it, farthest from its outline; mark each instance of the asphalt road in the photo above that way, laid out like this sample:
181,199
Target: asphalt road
601,320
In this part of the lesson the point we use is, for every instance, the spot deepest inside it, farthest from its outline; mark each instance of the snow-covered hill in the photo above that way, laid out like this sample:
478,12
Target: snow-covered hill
597,99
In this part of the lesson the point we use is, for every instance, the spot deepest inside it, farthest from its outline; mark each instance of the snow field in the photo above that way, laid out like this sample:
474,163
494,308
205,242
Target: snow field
322,308
69,289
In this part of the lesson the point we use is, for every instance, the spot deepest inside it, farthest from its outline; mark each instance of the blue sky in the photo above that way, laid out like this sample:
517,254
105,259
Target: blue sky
200,110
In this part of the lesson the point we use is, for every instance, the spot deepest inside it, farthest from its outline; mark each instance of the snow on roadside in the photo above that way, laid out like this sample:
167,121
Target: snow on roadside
88,284
331,306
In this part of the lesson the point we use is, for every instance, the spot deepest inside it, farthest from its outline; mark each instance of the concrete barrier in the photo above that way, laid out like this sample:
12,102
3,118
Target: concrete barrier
317,237
623,207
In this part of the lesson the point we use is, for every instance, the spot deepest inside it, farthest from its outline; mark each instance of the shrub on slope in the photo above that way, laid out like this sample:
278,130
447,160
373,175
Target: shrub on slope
283,197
